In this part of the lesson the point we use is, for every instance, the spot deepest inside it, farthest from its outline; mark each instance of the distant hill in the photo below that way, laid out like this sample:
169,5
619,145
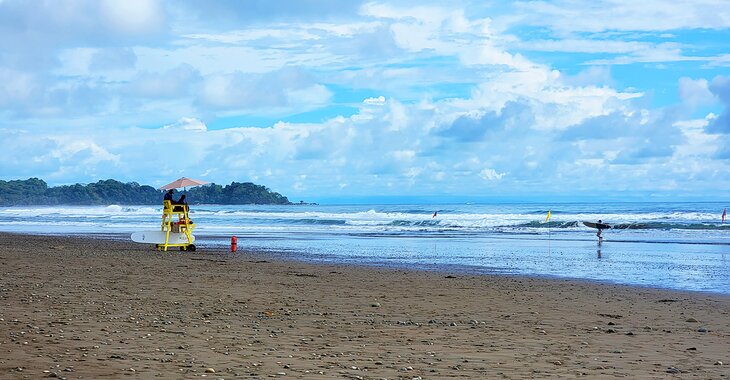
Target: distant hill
34,191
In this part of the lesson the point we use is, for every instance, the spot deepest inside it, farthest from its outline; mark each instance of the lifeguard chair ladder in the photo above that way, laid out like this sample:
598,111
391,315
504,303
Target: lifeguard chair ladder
183,224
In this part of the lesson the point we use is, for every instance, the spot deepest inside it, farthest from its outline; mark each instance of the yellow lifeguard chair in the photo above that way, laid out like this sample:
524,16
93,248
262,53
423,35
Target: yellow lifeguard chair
183,225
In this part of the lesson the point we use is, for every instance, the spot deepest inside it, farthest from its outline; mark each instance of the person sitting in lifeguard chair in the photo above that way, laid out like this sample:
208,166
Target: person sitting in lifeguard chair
179,204
168,196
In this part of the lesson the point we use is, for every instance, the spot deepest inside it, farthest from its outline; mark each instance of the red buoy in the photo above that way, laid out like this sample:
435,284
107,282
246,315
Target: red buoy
234,243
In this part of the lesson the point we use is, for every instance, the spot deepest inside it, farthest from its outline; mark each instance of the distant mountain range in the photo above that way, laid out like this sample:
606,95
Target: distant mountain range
34,191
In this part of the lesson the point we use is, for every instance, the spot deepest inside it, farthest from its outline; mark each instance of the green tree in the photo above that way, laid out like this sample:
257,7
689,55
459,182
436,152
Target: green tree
34,191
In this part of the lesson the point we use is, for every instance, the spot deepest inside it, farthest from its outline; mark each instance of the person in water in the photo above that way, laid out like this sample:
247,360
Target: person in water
600,231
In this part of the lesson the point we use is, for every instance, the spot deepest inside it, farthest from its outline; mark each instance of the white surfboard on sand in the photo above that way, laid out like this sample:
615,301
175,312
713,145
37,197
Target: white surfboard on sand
158,237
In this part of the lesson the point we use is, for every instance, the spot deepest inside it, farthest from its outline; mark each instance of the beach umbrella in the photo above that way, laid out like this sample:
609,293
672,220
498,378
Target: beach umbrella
182,182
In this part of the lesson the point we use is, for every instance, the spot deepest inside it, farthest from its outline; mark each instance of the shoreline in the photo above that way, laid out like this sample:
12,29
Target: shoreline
92,308
446,269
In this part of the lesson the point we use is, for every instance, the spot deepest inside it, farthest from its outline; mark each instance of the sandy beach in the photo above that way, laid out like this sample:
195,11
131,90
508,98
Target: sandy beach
93,309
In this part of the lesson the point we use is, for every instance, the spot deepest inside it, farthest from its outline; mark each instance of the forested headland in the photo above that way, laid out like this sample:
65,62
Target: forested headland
34,191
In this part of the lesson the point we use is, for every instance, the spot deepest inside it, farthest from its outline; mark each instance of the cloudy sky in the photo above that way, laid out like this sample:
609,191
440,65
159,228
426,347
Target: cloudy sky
340,100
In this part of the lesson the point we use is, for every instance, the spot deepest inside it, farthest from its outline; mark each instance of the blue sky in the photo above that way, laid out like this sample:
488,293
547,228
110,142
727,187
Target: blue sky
341,100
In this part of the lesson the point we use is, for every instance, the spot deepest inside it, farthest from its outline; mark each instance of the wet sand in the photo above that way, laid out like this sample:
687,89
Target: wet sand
93,309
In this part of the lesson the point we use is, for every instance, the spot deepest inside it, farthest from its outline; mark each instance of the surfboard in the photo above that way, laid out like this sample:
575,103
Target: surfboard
158,237
602,226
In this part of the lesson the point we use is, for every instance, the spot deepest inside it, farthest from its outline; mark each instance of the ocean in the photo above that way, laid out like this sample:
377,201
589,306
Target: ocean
681,246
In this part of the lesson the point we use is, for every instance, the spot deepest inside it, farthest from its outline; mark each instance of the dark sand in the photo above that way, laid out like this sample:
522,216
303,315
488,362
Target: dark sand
95,309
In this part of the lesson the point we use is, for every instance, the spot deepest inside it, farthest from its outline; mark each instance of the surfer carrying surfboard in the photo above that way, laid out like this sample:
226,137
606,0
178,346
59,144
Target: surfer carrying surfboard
600,226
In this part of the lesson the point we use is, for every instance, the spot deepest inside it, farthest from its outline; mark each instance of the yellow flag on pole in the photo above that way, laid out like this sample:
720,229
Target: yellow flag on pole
548,217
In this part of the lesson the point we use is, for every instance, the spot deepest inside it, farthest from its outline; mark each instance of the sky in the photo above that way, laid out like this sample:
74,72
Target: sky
337,101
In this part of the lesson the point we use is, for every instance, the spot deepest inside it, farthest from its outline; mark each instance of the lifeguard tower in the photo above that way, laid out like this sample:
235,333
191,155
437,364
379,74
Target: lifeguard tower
177,228
175,220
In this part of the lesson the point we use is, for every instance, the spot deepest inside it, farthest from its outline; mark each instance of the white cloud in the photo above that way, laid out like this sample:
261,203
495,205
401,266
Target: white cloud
606,15
175,83
287,90
238,37
404,155
308,98
187,124
592,76
113,59
132,16
17,87
658,54
628,32
220,91
86,62
82,153
695,92
419,29
464,105
572,45
491,174
721,60
380,100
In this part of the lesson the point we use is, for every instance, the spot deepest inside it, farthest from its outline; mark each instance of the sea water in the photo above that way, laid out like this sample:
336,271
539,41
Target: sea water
683,246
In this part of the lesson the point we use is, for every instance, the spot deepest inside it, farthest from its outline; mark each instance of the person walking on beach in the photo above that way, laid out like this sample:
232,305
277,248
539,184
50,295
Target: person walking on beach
599,225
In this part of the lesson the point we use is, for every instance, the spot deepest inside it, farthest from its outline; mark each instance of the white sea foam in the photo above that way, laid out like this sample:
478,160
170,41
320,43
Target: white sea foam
368,219
81,211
